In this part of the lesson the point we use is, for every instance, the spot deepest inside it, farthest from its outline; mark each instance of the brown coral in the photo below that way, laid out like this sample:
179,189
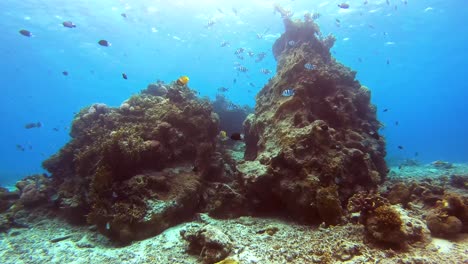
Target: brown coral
327,131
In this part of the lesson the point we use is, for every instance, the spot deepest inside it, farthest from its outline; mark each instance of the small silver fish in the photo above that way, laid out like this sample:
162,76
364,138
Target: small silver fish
288,92
292,43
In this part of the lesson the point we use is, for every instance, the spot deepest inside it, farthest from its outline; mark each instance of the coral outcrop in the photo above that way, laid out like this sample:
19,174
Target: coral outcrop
323,136
449,217
136,170
208,242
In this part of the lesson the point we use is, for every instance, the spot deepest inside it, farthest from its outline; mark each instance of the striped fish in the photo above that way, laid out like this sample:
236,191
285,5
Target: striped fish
288,93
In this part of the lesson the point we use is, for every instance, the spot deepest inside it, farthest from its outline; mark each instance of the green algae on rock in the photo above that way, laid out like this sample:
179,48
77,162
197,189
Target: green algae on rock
325,134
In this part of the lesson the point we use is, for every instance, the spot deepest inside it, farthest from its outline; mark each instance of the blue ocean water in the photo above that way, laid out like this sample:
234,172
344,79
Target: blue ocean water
411,54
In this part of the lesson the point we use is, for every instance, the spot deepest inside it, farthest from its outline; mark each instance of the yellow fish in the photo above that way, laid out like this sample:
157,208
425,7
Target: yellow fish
223,135
183,80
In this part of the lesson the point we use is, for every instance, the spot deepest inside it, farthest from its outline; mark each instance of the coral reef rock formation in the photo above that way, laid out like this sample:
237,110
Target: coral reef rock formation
135,170
210,243
314,131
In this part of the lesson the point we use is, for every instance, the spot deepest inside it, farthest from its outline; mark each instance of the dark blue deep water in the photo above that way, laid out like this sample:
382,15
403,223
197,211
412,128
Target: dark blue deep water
411,54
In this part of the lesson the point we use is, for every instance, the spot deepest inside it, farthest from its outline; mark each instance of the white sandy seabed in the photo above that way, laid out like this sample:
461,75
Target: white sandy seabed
292,243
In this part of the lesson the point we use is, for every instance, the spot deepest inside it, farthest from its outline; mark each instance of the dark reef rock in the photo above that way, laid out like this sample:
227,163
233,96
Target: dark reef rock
326,134
231,116
136,170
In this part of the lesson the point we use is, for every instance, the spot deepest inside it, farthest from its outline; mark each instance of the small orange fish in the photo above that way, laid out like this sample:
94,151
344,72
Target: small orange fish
183,80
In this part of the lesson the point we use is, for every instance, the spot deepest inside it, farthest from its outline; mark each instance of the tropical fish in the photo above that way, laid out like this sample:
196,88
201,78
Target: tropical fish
239,51
210,24
344,5
288,92
104,43
292,43
225,44
65,73
69,24
231,106
251,84
316,15
265,71
223,89
25,33
242,69
183,80
33,125
385,110
309,66
236,136
19,147
124,15
250,53
400,147
124,75
260,56
223,135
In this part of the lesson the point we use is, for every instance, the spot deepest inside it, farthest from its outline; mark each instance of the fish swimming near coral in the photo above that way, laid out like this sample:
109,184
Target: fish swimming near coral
33,125
104,43
236,136
183,80
288,92
265,71
223,89
223,135
69,24
25,33
309,66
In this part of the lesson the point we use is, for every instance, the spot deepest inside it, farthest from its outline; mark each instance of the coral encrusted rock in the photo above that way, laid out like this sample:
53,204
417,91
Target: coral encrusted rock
136,170
313,127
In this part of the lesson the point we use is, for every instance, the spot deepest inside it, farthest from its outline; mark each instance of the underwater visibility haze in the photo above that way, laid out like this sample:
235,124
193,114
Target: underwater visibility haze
411,54
122,109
